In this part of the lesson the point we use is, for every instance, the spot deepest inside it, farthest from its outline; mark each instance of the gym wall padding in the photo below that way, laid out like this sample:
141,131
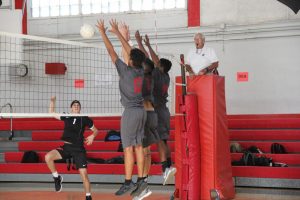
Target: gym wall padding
216,171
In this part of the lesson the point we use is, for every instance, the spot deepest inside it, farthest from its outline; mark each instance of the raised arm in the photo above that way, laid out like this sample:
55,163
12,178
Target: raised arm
52,107
124,30
110,49
139,41
154,57
115,30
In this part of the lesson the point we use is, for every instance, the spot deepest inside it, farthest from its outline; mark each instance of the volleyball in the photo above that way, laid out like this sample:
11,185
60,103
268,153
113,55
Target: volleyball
87,31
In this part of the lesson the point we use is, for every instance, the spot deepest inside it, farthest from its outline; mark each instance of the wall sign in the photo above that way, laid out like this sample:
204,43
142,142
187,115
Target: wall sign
79,83
242,76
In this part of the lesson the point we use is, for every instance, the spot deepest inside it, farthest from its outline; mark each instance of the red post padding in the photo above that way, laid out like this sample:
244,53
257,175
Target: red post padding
216,171
178,129
193,150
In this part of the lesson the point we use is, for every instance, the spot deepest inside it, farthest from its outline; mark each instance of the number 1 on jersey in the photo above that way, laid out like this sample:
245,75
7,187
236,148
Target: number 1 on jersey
74,121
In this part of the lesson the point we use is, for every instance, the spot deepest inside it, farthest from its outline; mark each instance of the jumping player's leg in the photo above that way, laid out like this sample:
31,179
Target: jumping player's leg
85,180
129,162
50,157
150,137
147,165
131,124
168,153
140,159
79,156
162,148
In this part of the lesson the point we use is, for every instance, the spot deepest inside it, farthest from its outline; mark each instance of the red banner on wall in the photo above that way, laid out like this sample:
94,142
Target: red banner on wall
242,76
79,83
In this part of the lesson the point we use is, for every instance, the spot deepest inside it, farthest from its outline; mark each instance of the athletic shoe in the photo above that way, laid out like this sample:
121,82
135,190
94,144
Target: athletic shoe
88,197
214,194
169,172
147,192
125,188
140,187
58,183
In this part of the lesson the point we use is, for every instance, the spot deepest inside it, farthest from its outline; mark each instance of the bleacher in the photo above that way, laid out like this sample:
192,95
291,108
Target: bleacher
248,130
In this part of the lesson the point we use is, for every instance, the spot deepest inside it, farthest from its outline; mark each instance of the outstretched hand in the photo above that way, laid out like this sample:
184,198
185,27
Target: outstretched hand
53,98
124,30
114,26
146,40
100,25
138,36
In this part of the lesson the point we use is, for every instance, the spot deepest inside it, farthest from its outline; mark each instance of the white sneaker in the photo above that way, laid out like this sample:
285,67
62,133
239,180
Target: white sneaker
170,172
147,192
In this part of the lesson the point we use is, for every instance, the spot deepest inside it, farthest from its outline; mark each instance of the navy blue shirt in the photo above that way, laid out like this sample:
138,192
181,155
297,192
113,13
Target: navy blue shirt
74,129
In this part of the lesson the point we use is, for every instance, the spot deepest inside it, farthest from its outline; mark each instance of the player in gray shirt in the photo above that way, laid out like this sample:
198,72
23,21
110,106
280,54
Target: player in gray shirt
134,116
161,80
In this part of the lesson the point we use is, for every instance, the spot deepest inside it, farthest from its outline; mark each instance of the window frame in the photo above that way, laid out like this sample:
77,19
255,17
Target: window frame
30,17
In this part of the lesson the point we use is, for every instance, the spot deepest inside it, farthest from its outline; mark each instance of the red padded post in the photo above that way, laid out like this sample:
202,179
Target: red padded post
178,130
216,171
192,147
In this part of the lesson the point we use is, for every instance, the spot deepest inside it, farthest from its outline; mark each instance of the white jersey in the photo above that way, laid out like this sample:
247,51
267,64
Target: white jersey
199,59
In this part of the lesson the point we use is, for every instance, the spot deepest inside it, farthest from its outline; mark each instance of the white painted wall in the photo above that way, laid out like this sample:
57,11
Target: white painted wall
238,12
11,20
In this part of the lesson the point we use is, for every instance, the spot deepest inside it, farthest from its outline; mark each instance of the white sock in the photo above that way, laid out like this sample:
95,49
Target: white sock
55,174
88,194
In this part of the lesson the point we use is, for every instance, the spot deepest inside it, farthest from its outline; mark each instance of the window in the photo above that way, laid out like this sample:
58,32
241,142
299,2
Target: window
54,8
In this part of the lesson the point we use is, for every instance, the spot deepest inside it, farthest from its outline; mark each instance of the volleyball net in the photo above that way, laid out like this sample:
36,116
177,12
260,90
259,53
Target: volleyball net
32,69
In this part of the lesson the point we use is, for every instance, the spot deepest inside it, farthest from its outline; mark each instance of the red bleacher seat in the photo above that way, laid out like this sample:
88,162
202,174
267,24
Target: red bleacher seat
96,146
16,157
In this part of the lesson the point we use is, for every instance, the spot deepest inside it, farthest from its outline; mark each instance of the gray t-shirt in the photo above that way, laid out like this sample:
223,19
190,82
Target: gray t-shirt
130,85
161,86
148,85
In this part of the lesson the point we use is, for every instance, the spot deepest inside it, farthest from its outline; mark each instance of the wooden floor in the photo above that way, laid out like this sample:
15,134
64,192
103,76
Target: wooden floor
71,195
43,191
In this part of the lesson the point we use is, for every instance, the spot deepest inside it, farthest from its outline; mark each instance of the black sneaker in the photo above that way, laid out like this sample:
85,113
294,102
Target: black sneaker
140,187
125,188
57,182
88,197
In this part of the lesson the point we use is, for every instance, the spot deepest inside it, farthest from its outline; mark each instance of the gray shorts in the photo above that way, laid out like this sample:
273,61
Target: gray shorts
163,125
132,126
151,135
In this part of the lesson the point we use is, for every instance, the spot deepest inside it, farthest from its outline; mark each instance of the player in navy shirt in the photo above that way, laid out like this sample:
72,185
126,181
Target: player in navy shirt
74,127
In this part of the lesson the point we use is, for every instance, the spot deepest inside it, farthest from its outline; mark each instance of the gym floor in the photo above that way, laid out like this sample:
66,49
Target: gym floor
44,191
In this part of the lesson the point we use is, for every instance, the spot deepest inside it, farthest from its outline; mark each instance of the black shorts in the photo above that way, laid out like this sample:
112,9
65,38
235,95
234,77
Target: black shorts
76,152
